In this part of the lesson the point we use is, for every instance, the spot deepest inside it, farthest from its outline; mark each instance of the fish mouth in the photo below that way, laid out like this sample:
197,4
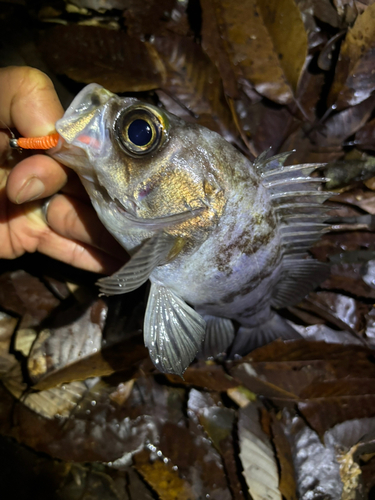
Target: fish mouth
156,223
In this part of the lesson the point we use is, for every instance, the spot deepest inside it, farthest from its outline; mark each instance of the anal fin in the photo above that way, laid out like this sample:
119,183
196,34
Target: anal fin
219,336
248,339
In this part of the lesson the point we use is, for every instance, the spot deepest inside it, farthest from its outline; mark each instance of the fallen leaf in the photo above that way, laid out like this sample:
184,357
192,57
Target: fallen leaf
25,295
257,456
354,82
261,50
194,84
110,58
163,478
317,470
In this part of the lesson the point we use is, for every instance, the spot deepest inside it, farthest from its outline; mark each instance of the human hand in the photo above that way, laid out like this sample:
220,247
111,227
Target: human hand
74,234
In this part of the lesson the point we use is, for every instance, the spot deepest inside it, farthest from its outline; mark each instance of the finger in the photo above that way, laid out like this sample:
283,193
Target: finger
73,219
35,177
28,101
29,232
77,254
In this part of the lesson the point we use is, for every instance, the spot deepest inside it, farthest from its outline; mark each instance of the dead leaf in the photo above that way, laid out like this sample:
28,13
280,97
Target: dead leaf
317,471
52,403
110,58
287,483
194,85
354,82
78,337
26,296
156,17
261,50
163,478
257,456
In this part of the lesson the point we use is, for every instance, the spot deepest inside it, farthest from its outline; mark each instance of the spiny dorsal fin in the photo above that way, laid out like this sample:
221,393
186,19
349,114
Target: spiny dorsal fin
137,270
298,201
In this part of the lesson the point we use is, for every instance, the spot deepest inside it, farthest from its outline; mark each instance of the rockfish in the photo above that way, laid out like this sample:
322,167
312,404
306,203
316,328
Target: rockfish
223,240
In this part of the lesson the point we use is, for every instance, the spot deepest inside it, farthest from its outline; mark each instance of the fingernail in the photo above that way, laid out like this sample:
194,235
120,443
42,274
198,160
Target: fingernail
31,190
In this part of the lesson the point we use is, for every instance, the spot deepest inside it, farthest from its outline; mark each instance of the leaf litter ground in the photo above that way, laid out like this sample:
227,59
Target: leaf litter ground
84,414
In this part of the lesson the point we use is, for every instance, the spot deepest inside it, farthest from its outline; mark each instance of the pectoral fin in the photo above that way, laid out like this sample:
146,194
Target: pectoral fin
173,331
137,271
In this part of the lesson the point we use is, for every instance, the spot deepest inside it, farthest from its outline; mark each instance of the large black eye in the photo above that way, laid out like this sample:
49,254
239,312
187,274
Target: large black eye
139,129
139,132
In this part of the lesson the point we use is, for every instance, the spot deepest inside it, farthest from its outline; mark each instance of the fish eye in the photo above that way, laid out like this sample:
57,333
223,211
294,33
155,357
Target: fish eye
139,129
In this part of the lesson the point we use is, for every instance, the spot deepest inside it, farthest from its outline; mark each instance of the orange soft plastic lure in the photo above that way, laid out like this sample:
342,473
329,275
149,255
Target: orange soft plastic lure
45,142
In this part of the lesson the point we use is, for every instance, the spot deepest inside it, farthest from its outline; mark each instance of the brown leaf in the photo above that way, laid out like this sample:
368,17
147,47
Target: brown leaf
324,413
26,296
218,422
163,478
347,277
287,484
194,83
284,24
110,58
341,387
156,17
78,337
359,198
346,172
58,402
354,80
322,9
121,356
7,326
365,137
205,375
340,310
342,125
261,50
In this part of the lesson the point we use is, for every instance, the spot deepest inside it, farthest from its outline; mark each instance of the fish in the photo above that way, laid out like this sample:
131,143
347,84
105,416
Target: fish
224,241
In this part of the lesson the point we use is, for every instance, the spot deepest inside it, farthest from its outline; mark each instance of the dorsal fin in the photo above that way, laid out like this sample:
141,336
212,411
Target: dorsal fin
298,201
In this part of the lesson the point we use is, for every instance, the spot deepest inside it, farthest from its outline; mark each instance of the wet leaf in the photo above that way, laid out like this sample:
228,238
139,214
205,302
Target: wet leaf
156,17
317,470
324,413
343,124
287,484
78,337
358,198
7,326
56,402
110,58
122,356
365,137
340,310
354,80
218,423
26,296
343,172
194,84
205,375
349,278
163,478
257,456
261,50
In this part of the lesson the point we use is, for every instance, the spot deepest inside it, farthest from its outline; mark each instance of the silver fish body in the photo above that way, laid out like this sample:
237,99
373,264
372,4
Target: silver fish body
207,227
